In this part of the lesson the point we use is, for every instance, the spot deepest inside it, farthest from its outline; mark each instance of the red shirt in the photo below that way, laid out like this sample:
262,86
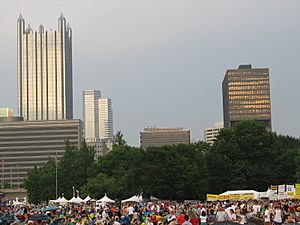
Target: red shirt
181,219
194,220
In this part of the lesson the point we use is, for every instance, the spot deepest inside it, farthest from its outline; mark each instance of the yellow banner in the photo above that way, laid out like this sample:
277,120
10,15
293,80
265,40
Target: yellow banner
297,189
296,197
224,197
234,197
211,197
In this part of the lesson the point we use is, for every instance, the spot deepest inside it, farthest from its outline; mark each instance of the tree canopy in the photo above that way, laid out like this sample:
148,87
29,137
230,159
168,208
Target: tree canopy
244,157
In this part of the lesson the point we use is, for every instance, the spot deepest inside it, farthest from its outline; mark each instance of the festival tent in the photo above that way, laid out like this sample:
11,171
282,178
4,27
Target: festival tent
76,200
62,200
87,199
54,201
241,192
18,203
135,198
153,198
105,199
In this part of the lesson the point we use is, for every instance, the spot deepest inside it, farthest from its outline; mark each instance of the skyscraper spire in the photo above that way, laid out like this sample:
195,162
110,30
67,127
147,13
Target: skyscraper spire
61,16
41,28
21,17
29,29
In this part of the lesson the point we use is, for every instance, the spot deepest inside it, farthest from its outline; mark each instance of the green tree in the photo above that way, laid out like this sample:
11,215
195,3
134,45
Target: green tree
119,139
40,183
248,157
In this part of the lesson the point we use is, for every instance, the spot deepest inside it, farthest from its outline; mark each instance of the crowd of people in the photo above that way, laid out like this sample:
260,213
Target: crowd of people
157,213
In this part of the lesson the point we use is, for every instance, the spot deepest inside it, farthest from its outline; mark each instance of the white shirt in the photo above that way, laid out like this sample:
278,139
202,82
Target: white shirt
277,217
267,216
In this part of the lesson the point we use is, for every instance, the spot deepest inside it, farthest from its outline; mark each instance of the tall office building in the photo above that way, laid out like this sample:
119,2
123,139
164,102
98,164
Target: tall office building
105,119
6,112
45,89
98,121
156,137
91,114
210,134
246,96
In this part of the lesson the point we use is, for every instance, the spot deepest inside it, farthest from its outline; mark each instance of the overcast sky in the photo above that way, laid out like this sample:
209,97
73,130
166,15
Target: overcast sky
162,62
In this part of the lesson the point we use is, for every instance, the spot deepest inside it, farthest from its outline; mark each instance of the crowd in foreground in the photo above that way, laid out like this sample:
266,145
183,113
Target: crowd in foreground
157,213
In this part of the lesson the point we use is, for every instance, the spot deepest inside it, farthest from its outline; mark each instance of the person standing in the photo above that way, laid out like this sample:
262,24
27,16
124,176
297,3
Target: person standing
267,215
277,215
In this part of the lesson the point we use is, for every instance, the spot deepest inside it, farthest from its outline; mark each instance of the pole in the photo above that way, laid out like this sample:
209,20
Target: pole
18,177
56,176
73,192
11,177
2,172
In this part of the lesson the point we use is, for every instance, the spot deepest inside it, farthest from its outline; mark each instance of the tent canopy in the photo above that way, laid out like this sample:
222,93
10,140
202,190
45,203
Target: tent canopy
62,200
76,200
239,192
135,198
105,199
87,198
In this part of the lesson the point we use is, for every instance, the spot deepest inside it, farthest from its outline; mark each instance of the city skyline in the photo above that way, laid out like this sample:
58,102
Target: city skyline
167,58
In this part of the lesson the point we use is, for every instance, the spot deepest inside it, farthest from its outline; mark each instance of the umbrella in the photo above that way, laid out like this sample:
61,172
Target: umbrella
51,208
39,217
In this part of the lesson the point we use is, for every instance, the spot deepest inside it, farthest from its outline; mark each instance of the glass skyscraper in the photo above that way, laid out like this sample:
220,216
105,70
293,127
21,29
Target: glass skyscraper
45,89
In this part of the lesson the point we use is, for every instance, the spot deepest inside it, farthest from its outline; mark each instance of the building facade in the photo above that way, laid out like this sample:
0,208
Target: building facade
6,112
210,134
156,137
45,89
98,121
246,96
26,144
105,119
91,115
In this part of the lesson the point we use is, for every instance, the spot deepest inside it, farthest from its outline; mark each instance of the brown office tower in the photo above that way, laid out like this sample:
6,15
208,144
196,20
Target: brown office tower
246,96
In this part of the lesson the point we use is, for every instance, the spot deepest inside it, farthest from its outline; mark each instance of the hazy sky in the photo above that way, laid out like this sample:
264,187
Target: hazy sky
162,62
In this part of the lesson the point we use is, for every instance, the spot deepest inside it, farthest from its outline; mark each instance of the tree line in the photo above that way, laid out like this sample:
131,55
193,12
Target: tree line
243,157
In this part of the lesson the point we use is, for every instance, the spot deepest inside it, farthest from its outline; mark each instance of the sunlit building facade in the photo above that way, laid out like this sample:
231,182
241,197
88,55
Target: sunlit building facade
6,112
210,134
91,114
45,72
246,96
105,119
157,137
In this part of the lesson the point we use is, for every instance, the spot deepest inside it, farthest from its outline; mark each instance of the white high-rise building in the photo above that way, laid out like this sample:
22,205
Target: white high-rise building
210,134
45,89
6,112
105,119
91,114
98,121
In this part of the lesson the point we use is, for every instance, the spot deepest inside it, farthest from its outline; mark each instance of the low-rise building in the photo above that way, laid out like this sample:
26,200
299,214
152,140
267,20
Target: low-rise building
156,137
210,134
26,144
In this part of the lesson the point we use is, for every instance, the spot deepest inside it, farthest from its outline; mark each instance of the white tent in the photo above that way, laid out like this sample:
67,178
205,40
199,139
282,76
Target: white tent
105,199
87,198
76,200
62,200
238,192
55,201
135,198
